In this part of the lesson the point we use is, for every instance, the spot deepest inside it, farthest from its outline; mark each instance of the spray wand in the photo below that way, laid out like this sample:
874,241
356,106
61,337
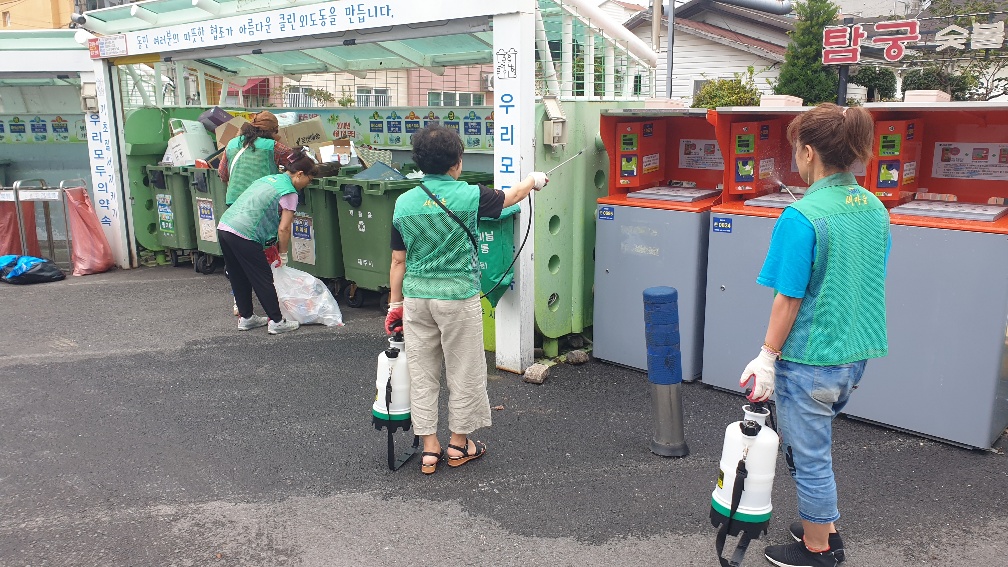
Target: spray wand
565,162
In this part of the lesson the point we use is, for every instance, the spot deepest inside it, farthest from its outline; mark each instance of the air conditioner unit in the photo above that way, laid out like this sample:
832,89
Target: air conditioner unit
487,82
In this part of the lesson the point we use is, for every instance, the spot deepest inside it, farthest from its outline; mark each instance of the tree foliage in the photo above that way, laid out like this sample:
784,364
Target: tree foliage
803,74
880,82
965,74
960,86
738,91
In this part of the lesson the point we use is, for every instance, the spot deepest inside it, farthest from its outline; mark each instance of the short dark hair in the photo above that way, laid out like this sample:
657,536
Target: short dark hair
839,135
298,161
436,149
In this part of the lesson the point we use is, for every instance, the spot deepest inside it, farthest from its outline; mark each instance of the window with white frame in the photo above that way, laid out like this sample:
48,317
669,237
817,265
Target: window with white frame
299,97
372,96
452,98
698,84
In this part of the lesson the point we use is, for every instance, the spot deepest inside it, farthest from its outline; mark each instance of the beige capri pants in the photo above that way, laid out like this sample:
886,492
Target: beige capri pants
448,331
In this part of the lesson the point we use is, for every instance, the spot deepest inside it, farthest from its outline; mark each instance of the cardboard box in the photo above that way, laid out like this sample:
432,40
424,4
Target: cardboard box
304,133
186,147
228,130
343,150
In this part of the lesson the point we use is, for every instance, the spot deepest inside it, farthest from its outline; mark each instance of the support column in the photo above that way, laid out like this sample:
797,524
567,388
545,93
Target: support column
514,151
104,160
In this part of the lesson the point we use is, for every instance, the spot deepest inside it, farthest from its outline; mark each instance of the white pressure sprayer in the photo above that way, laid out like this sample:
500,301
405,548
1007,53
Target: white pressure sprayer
740,503
391,409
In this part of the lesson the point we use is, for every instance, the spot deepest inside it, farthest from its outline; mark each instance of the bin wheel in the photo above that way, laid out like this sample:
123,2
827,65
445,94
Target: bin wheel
354,295
383,301
206,264
173,255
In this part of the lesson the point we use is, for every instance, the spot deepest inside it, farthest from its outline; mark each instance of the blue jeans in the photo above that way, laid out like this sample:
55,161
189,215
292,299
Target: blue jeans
808,398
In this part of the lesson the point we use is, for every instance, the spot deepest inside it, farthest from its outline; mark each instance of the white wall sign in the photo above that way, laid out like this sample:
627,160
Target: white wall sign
700,154
963,160
297,21
514,129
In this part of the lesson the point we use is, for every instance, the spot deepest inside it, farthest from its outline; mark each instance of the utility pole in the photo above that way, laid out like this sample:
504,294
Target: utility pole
841,97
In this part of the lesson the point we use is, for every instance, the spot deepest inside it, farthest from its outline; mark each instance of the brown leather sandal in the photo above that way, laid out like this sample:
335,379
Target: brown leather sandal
466,456
431,468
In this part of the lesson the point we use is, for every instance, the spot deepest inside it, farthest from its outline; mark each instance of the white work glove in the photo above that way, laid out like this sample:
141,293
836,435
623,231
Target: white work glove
762,372
283,258
539,179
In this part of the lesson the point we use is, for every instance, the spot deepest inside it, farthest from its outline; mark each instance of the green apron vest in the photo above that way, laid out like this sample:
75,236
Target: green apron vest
254,163
256,213
842,318
440,259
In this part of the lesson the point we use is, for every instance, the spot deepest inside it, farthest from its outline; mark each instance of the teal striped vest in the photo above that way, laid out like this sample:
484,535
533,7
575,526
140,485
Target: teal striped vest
440,260
842,318
256,213
254,163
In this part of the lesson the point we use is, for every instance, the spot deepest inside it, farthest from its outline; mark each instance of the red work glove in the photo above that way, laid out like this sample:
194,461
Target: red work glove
393,321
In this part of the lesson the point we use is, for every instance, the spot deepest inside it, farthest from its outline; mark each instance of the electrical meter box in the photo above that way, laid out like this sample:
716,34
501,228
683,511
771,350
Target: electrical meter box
642,154
896,159
753,157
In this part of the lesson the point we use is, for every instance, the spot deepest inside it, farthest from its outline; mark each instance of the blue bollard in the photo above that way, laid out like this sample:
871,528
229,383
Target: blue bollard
664,360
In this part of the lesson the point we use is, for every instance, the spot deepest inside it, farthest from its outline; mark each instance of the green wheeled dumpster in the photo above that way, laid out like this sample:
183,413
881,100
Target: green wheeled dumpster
176,229
365,210
207,191
315,236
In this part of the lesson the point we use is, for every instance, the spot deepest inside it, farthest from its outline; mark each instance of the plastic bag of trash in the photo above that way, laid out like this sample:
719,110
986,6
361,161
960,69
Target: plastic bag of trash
304,298
30,270
89,249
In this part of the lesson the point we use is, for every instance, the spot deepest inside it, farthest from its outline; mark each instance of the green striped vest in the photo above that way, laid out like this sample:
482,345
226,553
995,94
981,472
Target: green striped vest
256,213
254,163
440,260
842,318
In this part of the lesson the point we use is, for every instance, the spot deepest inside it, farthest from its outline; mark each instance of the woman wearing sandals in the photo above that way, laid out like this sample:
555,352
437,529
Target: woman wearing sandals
435,293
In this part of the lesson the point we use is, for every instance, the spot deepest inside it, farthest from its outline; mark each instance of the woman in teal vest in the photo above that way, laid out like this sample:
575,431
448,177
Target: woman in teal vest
827,265
253,154
262,214
435,293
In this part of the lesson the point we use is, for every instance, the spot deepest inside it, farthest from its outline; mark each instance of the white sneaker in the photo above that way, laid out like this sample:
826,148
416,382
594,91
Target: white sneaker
253,322
282,327
236,308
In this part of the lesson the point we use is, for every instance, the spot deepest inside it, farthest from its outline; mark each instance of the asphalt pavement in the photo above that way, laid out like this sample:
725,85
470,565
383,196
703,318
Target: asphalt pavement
139,427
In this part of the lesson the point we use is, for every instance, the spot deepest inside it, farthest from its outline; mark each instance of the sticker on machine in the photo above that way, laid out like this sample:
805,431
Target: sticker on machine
606,213
700,154
721,224
965,160
650,163
207,226
303,239
766,168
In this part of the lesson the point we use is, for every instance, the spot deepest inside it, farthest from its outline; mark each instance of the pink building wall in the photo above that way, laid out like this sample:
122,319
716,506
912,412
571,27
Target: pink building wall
456,79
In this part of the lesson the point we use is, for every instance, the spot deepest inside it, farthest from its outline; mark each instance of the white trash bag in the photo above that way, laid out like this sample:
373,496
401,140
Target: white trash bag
304,298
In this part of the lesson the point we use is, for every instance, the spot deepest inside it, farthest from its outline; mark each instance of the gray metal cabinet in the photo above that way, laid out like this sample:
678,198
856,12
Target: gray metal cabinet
637,248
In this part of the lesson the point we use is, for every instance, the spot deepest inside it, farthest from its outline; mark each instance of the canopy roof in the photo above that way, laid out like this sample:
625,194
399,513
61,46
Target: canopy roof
432,45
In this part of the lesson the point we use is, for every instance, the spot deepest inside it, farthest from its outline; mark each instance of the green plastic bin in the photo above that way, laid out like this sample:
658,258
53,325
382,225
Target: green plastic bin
366,229
315,235
176,229
207,191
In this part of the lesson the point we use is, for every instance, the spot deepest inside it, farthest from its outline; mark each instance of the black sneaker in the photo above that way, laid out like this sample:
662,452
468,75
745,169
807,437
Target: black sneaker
835,541
797,555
